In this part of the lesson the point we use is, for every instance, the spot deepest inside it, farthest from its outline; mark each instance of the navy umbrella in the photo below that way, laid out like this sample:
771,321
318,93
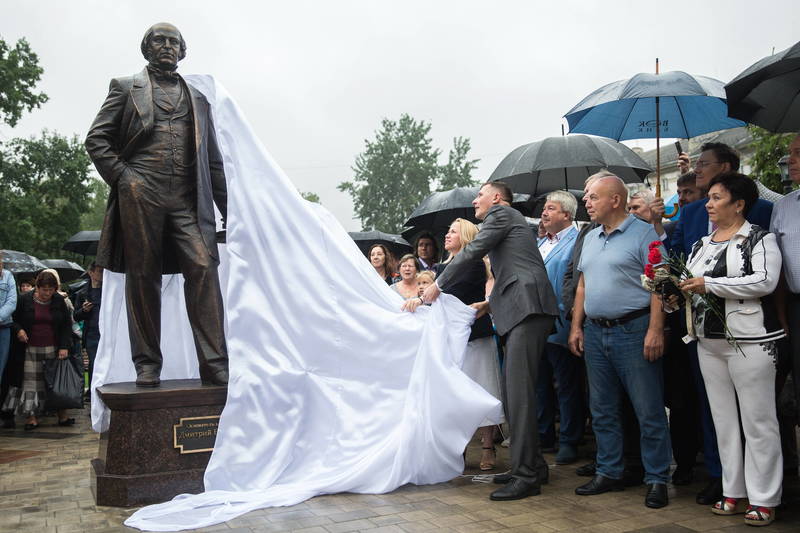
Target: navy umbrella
83,243
442,207
67,270
395,243
646,106
768,92
565,162
20,263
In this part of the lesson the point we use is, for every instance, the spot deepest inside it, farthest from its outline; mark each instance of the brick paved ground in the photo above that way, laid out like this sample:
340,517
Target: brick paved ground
44,487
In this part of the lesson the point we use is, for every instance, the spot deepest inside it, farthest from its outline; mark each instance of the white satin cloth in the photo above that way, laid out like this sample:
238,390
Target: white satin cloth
332,388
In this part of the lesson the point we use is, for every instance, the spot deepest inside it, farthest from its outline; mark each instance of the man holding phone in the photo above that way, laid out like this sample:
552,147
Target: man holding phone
87,308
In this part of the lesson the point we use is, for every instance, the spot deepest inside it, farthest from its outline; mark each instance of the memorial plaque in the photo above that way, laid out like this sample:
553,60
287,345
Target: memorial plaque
195,434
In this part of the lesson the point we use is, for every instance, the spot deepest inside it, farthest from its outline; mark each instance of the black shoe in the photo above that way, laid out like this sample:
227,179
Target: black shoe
516,489
9,423
712,493
505,477
587,470
30,427
682,476
148,379
656,497
598,485
67,422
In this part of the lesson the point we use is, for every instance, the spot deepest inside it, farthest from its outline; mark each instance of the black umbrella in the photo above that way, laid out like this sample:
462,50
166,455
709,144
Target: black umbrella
565,163
440,208
67,270
768,92
580,215
20,263
395,243
83,243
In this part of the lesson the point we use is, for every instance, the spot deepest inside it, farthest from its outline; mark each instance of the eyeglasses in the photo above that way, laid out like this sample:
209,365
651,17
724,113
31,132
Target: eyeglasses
704,164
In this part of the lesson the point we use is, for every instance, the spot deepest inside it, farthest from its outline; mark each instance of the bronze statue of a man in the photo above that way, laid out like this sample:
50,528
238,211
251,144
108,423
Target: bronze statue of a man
153,142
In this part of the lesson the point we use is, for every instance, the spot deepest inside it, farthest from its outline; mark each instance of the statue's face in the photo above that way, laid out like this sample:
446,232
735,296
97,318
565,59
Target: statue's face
164,47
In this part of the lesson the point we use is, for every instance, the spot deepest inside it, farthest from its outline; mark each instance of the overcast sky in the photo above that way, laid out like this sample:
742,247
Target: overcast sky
316,78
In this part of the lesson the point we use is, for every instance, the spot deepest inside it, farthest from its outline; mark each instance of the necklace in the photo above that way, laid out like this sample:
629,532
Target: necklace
38,301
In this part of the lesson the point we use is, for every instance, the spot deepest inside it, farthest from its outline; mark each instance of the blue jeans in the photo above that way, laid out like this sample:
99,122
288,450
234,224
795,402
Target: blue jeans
615,364
558,363
5,344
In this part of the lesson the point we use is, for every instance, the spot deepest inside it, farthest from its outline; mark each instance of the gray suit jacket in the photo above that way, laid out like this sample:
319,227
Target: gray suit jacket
122,125
521,286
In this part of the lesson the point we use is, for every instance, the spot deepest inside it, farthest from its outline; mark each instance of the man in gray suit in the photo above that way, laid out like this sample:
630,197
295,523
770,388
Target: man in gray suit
153,142
523,308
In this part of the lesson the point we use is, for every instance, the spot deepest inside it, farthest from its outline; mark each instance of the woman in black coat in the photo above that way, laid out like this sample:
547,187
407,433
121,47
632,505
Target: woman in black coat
43,323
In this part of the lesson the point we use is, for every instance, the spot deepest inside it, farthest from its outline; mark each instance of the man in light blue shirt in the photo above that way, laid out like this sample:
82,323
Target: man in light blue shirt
620,327
8,303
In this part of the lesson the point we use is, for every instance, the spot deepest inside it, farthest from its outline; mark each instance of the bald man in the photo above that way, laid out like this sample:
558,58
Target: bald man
619,327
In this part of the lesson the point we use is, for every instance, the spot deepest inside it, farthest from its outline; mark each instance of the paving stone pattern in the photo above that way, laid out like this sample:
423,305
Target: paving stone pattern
44,488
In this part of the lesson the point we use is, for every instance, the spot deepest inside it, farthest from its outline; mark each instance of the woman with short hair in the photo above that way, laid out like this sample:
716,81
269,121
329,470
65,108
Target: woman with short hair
408,268
43,323
737,267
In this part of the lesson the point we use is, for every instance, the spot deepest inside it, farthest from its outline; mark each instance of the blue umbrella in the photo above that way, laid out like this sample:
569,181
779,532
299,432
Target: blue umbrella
687,106
646,106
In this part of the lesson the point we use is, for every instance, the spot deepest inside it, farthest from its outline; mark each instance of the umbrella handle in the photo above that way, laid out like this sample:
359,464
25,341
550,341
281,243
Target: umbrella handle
675,209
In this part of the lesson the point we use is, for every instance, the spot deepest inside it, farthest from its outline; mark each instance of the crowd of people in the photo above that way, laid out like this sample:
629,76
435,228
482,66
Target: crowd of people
39,322
567,329
659,387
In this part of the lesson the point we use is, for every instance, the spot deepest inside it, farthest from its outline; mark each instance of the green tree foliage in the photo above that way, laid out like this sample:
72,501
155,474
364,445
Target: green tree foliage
458,170
92,218
19,73
398,169
310,196
769,148
45,188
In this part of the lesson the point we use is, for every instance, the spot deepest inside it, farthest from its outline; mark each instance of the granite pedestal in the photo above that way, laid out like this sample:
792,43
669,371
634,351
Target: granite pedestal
143,457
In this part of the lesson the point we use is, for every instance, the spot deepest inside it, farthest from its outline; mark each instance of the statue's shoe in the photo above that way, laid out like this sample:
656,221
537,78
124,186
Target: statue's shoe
148,379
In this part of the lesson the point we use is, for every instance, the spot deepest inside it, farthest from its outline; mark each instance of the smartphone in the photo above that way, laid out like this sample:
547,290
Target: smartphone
678,147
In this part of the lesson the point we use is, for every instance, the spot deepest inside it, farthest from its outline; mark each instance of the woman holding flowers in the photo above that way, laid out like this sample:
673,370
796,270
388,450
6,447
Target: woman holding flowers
735,270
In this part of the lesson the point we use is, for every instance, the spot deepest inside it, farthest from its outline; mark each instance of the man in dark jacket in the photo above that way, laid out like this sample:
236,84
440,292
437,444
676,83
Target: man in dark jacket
153,142
523,308
87,309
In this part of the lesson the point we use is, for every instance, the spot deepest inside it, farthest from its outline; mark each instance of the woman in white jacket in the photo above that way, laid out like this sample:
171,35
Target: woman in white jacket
737,267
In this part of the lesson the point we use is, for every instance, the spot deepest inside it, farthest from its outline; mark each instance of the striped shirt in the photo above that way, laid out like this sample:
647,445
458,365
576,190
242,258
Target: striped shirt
785,224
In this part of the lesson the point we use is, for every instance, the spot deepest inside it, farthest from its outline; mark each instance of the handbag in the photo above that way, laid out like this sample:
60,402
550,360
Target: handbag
63,383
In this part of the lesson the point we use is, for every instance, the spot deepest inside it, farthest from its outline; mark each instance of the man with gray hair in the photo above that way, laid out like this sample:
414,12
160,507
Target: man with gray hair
620,327
639,204
556,362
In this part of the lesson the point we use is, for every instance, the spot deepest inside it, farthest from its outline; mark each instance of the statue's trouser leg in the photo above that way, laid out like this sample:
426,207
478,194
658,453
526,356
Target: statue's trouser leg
201,290
142,228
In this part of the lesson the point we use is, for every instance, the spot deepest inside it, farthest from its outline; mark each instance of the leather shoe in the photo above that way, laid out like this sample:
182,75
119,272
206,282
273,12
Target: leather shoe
656,497
220,377
506,477
587,470
567,454
712,493
598,485
148,379
516,489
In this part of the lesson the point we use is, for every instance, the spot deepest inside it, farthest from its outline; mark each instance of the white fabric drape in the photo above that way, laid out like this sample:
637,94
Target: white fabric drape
332,388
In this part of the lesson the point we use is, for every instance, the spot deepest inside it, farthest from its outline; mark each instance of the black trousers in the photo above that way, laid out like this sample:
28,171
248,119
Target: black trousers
524,344
158,214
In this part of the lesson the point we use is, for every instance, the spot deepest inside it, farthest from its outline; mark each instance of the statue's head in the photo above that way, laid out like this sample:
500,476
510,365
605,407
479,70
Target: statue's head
163,46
